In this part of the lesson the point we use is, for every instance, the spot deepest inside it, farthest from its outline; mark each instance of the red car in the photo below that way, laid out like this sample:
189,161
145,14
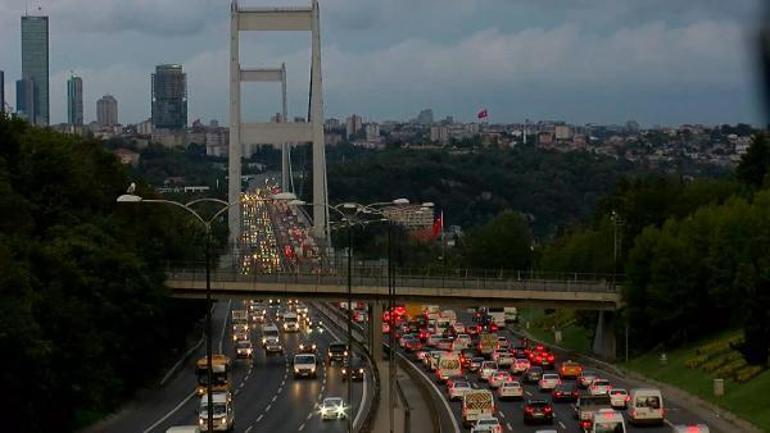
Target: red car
542,359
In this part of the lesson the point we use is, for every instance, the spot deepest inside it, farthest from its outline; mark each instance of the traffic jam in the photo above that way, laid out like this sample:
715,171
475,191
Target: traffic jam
495,379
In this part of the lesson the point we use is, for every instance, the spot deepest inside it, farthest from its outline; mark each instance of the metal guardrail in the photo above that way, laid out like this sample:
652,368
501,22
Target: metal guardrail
539,282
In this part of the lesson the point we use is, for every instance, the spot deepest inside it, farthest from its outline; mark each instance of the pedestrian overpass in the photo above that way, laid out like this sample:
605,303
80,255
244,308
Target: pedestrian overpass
576,291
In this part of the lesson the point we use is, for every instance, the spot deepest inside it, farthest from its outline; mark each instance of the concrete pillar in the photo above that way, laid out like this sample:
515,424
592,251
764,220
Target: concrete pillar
376,323
320,194
235,149
604,343
285,158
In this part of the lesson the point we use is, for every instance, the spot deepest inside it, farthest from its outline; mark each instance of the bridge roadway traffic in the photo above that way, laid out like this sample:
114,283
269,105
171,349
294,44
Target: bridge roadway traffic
266,396
510,412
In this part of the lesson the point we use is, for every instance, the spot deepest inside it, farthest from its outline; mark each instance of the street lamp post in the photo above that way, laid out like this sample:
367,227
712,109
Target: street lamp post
206,223
617,221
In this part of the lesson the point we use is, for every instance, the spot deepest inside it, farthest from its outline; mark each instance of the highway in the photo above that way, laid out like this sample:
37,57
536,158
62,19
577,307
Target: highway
510,413
266,396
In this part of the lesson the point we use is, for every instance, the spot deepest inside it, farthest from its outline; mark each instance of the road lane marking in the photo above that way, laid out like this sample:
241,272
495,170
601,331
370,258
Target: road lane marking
437,391
249,429
259,418
171,412
237,391
310,415
510,427
283,382
528,393
301,427
274,398
322,388
279,390
224,325
561,424
502,415
267,409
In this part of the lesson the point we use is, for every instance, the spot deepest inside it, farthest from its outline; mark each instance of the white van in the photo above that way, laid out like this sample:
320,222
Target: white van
645,406
448,366
511,314
224,418
608,421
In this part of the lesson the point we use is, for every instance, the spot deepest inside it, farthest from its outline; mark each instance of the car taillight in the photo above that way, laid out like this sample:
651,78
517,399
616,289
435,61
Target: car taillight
547,409
586,424
529,409
628,398
550,358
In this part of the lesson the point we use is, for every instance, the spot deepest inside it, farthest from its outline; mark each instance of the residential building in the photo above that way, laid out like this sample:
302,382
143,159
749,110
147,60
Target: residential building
34,69
372,131
439,134
413,217
562,132
425,117
107,111
169,97
127,156
75,101
354,124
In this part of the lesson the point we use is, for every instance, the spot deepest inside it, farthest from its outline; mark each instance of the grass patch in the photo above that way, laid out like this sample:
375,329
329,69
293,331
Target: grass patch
747,400
573,337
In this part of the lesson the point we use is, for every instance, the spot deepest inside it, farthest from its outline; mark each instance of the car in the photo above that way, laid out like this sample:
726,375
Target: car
472,330
542,358
475,363
241,335
404,338
619,398
540,411
433,339
433,359
244,349
599,386
336,353
570,369
503,343
413,345
355,369
304,365
444,344
461,341
498,378
510,390
585,378
497,352
505,360
332,408
565,392
520,365
548,382
532,375
459,327
488,368
487,425
457,389
307,347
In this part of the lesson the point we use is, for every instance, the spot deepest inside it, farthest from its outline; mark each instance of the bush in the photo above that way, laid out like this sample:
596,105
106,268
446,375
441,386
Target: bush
747,373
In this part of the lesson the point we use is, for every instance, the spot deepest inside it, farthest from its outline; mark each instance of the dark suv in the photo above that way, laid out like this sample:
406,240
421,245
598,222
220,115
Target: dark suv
355,369
336,353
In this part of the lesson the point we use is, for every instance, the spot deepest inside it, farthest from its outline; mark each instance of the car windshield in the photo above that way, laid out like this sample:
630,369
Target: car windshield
270,332
332,402
461,385
609,427
304,359
337,347
219,409
489,421
244,344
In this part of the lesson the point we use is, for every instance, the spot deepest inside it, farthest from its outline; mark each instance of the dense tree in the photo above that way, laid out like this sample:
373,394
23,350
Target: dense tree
503,243
753,167
84,316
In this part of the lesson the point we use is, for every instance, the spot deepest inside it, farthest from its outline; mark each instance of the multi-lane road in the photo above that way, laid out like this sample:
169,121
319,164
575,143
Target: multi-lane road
265,394
510,413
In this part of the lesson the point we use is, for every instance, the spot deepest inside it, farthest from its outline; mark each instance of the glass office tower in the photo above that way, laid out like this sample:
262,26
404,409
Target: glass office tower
75,101
34,66
169,97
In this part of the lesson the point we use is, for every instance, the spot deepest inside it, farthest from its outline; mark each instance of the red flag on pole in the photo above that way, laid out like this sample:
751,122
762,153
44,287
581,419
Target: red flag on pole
438,225
483,114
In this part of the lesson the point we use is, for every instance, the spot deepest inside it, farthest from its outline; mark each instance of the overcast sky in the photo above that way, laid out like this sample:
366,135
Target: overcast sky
584,61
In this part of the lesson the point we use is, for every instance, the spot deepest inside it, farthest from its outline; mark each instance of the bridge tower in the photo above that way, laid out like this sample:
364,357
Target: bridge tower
276,19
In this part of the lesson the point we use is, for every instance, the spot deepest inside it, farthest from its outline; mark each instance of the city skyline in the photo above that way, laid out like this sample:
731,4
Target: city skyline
677,63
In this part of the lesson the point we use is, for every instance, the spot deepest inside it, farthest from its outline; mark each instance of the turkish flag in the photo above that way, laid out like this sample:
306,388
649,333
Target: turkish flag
438,225
483,114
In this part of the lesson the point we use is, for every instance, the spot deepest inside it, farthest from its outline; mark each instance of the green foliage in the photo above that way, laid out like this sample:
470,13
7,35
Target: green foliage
84,316
503,243
753,167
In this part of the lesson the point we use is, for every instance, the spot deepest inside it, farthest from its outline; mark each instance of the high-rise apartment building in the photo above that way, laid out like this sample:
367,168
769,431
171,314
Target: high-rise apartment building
2,92
107,111
169,97
75,101
34,69
353,125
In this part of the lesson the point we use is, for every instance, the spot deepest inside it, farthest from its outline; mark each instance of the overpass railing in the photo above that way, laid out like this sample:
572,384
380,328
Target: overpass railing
377,277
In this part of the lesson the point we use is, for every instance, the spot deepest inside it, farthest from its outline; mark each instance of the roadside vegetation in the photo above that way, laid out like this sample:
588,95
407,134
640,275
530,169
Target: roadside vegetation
84,317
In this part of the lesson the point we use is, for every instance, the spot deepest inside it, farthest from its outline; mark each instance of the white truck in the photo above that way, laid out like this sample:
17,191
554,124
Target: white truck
477,404
290,322
240,320
224,417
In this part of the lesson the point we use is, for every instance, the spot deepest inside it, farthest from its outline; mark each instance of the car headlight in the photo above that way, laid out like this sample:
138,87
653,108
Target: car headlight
296,370
361,370
344,371
264,340
312,368
314,346
201,421
301,347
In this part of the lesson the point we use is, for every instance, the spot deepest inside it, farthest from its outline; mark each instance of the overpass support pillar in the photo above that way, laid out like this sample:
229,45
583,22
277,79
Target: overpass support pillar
375,331
604,343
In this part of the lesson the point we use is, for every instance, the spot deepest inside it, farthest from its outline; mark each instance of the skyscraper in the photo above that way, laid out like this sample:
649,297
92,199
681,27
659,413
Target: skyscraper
75,101
169,97
107,111
2,92
34,68
25,99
